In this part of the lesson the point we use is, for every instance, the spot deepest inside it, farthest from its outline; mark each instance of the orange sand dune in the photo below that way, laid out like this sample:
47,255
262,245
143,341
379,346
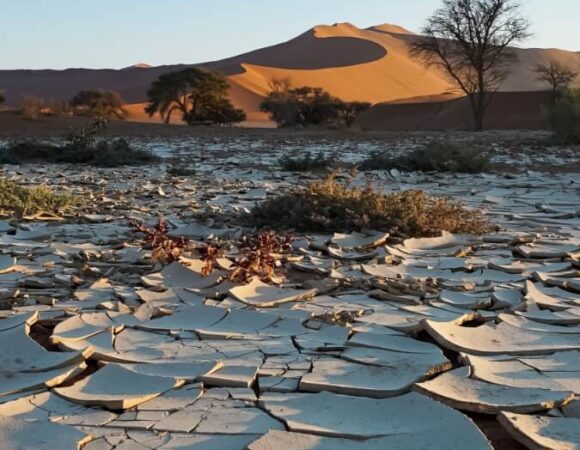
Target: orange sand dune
370,65
392,76
390,28
309,52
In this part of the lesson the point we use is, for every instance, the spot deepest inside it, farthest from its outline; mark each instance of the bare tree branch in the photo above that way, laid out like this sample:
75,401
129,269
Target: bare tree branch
557,75
471,40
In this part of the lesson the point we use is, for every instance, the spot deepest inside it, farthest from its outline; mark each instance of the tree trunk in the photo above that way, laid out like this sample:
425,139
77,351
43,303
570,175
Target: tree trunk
479,117
480,105
555,95
480,100
477,107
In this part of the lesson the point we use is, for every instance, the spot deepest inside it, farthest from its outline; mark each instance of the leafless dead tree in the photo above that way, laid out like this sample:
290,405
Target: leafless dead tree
471,40
557,75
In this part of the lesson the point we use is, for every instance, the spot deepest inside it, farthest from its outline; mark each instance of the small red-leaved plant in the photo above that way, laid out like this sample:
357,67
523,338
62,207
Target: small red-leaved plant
209,255
257,257
165,249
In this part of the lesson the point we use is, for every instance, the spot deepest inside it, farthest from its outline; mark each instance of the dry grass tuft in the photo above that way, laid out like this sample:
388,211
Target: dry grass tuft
330,205
20,201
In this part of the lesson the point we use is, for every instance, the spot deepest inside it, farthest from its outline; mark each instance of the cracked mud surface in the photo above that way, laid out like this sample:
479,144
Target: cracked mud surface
103,349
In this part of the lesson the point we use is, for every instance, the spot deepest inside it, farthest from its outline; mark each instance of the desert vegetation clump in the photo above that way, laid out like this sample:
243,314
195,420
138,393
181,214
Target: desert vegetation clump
301,106
200,96
564,118
331,205
258,256
7,155
80,147
348,112
557,75
27,151
306,163
165,249
305,106
99,104
21,200
32,107
116,153
59,108
436,156
176,170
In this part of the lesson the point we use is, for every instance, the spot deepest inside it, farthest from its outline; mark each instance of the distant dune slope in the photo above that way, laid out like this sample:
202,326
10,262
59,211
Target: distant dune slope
371,65
507,111
310,52
394,75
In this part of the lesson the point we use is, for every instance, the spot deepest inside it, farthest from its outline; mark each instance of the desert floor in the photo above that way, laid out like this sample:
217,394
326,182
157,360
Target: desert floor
452,342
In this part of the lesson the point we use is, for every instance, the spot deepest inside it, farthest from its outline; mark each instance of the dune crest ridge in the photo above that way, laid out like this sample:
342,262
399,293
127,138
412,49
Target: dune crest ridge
371,65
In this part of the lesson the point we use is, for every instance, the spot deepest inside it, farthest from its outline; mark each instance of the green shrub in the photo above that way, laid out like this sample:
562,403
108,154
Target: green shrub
21,200
564,118
330,205
301,106
120,153
436,156
81,147
7,157
446,156
99,103
378,160
180,171
305,163
28,151
116,153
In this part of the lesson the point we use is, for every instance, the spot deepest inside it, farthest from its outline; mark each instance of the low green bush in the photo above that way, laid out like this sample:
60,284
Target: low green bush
80,147
180,171
436,156
378,160
564,118
102,154
307,163
7,157
20,200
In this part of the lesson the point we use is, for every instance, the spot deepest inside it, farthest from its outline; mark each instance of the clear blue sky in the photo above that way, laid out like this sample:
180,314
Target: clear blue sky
117,33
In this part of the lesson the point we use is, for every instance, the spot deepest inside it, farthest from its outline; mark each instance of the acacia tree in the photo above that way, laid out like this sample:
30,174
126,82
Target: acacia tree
349,111
471,41
199,95
301,106
100,104
32,107
557,75
280,85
